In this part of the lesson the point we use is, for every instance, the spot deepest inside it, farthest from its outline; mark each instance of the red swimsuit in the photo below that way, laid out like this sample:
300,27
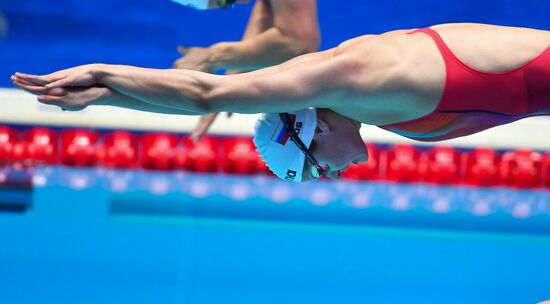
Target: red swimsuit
473,101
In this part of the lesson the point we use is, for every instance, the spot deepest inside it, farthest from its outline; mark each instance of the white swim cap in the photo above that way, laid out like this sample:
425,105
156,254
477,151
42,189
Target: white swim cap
282,155
205,4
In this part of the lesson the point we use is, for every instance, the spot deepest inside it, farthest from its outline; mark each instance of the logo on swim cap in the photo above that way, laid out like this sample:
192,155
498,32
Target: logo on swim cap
290,175
281,135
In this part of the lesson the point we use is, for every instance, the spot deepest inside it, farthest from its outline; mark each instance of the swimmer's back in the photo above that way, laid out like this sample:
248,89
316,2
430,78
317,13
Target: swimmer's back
409,72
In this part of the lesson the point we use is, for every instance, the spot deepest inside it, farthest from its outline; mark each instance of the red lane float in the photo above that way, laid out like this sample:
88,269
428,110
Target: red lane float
240,156
202,156
8,138
403,163
42,146
119,150
521,169
441,165
546,170
78,147
481,167
159,151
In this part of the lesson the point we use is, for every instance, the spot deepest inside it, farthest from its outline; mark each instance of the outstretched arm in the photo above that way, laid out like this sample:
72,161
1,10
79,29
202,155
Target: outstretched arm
315,79
309,80
83,96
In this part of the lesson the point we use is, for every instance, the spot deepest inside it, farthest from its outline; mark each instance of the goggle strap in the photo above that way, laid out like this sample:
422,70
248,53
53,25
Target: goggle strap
288,125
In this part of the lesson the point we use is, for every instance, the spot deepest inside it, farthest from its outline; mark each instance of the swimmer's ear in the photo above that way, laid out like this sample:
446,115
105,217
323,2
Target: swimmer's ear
182,50
323,128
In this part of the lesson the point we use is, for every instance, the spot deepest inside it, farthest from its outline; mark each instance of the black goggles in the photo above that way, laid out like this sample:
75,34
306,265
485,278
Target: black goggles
226,3
318,169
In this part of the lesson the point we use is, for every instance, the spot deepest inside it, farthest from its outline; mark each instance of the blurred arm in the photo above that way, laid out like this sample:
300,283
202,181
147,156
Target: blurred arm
276,31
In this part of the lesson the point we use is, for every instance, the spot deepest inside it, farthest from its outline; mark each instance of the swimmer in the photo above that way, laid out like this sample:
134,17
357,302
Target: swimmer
277,30
427,84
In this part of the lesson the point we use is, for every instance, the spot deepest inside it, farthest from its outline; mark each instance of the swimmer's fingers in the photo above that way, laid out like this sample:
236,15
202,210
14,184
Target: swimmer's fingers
19,80
183,50
203,125
60,101
51,100
180,63
80,76
77,98
39,90
63,82
38,79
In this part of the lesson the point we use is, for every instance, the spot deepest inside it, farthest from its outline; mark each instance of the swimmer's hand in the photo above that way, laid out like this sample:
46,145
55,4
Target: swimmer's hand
70,98
80,76
195,58
204,124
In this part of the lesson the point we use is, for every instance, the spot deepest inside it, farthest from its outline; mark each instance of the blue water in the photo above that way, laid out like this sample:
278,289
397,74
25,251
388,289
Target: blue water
95,236
50,35
92,236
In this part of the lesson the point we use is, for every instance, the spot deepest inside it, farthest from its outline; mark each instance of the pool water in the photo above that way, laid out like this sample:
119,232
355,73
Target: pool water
50,35
99,236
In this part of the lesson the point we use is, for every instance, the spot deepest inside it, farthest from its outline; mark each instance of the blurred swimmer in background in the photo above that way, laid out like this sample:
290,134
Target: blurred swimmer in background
277,31
427,84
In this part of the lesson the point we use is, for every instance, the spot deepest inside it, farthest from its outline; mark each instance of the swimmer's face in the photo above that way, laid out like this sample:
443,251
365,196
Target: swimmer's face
337,143
213,4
